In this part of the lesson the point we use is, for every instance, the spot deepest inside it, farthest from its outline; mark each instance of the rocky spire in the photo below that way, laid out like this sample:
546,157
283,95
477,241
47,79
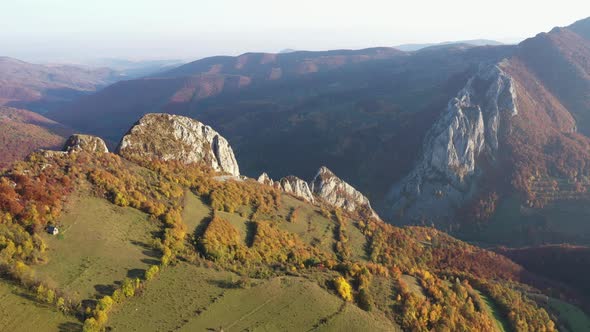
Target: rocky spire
337,192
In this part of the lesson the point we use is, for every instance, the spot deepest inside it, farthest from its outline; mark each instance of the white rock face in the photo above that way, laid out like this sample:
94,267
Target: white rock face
78,143
467,131
265,179
174,137
296,186
339,193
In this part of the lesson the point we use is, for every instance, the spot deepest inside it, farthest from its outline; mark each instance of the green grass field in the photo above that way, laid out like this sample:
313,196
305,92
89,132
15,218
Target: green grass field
190,298
20,312
572,317
284,304
99,244
240,223
170,300
492,309
310,225
194,212
414,286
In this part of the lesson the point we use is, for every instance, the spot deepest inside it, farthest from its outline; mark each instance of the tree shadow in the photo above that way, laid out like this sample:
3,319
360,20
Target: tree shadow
199,231
148,250
104,289
150,261
225,284
202,226
250,233
70,327
89,303
135,273
29,297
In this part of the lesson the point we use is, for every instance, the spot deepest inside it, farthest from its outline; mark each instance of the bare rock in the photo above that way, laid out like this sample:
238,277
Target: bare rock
297,187
445,176
87,143
174,137
337,192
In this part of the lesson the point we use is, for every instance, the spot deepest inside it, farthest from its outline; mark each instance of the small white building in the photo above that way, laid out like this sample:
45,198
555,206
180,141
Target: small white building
52,230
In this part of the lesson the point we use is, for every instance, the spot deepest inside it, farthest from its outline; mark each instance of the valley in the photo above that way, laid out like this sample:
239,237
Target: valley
433,186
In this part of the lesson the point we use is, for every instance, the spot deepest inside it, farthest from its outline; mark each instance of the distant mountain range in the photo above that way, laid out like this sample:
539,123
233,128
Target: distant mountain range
471,138
135,68
472,42
42,88
172,231
45,87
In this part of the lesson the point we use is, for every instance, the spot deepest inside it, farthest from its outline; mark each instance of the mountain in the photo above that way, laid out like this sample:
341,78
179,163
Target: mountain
474,42
489,143
135,68
96,241
175,90
380,100
22,132
44,87
509,155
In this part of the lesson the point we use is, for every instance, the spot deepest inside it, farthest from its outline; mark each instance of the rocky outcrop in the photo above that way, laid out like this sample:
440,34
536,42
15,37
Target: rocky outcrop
297,187
173,137
466,132
265,179
86,143
336,192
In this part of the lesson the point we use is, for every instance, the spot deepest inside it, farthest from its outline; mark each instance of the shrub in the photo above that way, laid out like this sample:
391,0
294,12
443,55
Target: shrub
343,288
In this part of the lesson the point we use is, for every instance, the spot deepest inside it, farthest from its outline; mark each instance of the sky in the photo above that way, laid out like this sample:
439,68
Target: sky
78,30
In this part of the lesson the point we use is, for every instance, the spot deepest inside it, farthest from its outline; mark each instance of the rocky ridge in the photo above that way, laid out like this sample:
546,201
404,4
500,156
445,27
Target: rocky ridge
466,132
87,143
265,179
179,138
337,192
296,186
327,187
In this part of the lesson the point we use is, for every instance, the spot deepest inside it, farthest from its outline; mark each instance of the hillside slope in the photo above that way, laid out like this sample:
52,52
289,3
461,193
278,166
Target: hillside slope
22,132
509,157
361,113
44,87
254,257
456,136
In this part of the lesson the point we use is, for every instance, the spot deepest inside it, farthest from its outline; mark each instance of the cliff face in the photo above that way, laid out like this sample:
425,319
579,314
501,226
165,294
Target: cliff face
173,137
327,187
92,144
337,192
296,186
466,132
265,179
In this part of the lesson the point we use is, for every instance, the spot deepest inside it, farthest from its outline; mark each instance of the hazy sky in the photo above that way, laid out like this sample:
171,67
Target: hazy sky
190,29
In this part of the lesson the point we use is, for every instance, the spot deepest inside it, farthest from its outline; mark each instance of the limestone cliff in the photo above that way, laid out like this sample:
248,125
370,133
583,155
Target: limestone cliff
465,133
337,192
173,137
265,179
298,187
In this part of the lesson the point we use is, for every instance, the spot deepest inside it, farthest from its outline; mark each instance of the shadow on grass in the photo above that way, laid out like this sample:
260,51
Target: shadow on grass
199,231
150,261
104,289
224,284
136,273
70,327
250,233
